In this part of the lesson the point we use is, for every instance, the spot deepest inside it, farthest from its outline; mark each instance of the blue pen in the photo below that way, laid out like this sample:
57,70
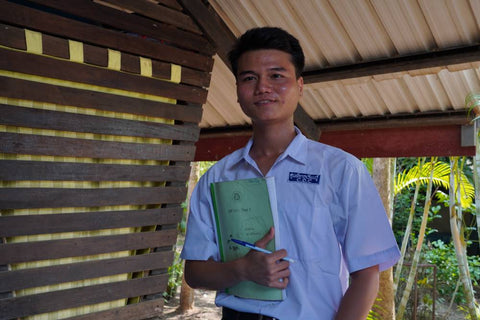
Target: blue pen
254,247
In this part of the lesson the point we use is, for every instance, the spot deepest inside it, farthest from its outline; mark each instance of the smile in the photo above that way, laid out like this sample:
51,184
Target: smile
264,102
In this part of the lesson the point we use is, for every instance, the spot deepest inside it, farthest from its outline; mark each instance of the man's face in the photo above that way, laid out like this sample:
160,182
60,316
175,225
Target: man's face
267,88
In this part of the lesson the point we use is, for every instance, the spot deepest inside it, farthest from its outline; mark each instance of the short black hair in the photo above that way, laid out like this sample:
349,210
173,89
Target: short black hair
268,38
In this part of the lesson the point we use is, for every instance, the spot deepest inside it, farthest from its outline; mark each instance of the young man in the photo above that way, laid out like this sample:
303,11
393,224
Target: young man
333,225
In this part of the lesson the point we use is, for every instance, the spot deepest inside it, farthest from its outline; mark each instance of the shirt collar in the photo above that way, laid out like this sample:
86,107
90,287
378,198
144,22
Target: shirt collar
295,150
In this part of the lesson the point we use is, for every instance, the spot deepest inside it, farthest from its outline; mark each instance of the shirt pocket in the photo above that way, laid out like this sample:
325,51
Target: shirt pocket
313,240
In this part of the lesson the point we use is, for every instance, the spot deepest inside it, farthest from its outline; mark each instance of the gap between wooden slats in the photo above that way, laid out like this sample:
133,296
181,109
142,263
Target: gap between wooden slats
71,272
72,29
71,298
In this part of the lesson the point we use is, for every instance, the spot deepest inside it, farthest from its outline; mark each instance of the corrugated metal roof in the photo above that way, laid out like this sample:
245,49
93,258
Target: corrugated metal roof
345,32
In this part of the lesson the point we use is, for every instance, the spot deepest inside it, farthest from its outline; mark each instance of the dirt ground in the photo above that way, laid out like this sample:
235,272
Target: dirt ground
204,308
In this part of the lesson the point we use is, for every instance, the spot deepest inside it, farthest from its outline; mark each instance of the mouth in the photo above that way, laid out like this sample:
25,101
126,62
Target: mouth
264,102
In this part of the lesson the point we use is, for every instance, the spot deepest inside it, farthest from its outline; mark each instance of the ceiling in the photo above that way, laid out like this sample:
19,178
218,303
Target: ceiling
369,63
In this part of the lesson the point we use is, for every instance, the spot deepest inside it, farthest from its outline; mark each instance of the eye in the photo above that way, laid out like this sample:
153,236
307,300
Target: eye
248,78
277,76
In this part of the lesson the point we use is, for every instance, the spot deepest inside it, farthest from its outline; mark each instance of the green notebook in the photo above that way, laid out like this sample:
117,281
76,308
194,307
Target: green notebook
245,209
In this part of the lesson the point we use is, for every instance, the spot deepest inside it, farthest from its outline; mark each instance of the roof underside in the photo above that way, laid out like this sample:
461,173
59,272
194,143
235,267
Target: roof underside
366,60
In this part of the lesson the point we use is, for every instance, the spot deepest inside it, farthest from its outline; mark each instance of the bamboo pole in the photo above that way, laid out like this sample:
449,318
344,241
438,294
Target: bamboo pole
383,173
418,249
458,239
408,229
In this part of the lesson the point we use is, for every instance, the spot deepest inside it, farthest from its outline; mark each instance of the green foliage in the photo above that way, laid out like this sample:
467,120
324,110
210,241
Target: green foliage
441,179
175,271
444,257
175,274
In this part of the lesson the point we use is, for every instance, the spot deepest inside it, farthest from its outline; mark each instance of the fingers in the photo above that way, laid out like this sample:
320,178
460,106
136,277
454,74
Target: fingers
268,269
262,243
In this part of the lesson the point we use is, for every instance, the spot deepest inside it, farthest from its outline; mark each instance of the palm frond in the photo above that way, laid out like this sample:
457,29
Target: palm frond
441,178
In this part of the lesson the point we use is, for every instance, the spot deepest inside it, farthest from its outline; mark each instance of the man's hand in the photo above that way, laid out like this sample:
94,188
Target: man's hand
268,269
265,269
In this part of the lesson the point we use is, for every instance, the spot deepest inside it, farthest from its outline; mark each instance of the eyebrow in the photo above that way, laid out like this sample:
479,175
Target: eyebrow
271,69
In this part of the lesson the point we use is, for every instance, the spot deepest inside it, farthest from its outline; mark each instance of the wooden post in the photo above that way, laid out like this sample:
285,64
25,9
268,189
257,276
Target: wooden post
186,292
383,176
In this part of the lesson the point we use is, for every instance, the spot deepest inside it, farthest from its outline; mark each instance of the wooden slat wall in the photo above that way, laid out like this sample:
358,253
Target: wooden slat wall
99,109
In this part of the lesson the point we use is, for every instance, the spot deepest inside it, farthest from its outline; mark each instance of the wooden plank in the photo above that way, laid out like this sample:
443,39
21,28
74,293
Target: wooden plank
22,225
54,46
196,78
171,4
440,58
70,147
133,23
77,247
212,26
138,311
17,198
66,121
306,124
12,37
160,13
44,66
35,91
77,297
95,55
56,274
421,141
215,148
130,63
20,170
30,18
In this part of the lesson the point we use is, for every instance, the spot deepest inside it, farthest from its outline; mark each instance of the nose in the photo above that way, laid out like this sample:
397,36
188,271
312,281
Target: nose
263,86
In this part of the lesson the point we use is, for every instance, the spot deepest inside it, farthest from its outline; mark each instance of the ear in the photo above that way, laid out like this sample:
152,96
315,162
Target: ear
300,85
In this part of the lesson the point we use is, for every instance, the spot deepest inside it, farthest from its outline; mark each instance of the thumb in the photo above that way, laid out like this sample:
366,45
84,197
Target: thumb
262,243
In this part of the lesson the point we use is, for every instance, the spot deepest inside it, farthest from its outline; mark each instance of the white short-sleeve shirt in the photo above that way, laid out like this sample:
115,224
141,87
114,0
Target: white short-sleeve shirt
331,221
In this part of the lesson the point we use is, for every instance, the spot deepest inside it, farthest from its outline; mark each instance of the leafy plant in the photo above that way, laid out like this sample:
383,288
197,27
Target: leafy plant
444,257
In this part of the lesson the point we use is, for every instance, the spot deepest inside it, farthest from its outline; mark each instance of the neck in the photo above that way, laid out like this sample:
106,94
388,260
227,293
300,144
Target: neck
269,142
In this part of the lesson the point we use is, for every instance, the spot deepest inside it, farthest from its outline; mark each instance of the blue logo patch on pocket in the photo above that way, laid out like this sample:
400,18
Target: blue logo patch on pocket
304,177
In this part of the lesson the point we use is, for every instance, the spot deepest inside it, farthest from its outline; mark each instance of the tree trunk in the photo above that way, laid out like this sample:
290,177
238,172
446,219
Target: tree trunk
383,174
408,230
476,175
187,294
416,257
458,239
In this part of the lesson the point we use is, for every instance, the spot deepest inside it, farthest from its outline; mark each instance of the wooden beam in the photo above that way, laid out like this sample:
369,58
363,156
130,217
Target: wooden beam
438,140
433,59
212,25
223,38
